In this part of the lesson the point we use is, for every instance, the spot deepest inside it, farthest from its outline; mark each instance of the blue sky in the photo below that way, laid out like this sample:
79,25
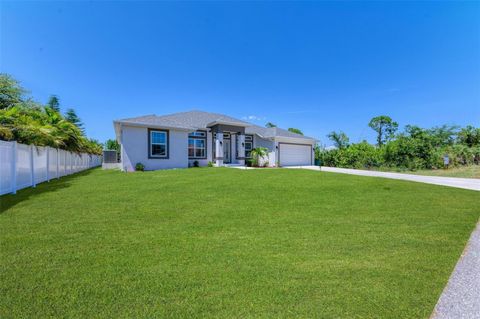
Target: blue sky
318,66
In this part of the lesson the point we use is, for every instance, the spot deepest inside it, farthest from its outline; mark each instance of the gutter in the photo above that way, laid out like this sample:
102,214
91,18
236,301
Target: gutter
186,129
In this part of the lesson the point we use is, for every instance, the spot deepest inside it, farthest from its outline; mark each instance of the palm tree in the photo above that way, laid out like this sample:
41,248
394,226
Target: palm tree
257,154
29,122
339,139
295,130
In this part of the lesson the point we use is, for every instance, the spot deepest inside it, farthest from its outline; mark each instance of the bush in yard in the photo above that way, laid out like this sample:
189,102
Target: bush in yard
196,164
258,154
139,167
461,154
210,164
362,155
359,155
414,149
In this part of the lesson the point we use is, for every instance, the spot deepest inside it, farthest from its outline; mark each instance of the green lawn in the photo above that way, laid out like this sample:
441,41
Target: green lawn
471,171
221,243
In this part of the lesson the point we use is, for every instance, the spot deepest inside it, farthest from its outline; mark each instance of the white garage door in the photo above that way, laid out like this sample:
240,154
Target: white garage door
295,154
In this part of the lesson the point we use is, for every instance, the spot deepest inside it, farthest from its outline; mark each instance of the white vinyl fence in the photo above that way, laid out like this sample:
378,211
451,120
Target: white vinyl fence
23,166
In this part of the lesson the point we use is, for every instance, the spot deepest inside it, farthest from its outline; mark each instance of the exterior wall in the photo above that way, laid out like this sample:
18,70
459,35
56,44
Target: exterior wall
270,145
135,148
261,142
111,165
134,142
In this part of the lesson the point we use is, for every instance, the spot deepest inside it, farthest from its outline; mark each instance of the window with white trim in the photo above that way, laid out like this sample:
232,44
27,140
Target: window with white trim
197,144
158,143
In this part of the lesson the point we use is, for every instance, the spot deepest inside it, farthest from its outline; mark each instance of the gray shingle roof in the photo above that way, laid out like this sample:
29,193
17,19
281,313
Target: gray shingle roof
193,120
187,120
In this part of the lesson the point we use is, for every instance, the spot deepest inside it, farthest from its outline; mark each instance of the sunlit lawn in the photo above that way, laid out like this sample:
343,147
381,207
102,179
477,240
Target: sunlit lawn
470,171
230,243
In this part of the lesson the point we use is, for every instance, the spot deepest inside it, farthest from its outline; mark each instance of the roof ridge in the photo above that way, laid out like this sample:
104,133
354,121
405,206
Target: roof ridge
136,117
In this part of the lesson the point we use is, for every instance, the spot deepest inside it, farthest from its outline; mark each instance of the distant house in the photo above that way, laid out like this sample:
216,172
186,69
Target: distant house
177,140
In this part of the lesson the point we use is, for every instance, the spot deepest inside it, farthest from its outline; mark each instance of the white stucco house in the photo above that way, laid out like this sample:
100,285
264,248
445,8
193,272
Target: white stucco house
177,140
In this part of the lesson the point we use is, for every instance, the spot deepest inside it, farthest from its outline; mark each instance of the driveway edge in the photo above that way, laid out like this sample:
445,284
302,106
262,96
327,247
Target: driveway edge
461,296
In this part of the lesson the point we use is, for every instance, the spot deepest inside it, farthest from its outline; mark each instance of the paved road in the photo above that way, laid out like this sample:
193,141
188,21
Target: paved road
467,183
461,298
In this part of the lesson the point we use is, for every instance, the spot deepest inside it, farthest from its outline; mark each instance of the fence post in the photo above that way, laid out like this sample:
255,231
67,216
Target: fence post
48,163
58,164
32,168
14,167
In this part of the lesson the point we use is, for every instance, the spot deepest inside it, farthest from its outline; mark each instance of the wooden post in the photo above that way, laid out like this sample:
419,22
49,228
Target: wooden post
14,167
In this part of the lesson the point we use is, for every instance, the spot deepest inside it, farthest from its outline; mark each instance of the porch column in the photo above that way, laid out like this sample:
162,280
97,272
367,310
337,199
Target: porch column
219,149
241,148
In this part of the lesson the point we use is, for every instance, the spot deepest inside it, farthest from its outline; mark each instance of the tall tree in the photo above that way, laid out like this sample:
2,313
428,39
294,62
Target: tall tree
385,128
72,117
443,135
11,92
295,130
469,136
270,124
339,139
54,103
111,144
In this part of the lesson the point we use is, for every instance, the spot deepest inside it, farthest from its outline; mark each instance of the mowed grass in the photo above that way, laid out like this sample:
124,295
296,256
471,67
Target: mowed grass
224,243
470,171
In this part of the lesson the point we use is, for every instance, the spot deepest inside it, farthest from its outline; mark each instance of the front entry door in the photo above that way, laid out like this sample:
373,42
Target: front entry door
227,157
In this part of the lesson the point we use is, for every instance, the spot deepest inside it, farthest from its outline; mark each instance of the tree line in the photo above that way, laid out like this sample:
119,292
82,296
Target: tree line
290,129
28,122
413,148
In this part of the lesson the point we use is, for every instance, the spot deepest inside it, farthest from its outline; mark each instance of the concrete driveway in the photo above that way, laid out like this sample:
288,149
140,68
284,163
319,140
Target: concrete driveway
461,297
466,183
